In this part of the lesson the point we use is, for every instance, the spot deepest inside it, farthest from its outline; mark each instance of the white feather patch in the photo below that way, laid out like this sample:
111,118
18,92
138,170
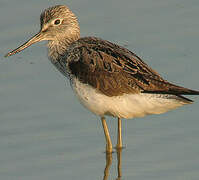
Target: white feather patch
127,105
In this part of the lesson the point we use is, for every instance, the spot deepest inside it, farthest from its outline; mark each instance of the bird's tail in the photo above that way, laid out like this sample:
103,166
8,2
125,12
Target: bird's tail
173,89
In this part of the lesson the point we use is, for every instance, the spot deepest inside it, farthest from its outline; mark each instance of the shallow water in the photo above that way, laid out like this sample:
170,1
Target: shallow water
46,134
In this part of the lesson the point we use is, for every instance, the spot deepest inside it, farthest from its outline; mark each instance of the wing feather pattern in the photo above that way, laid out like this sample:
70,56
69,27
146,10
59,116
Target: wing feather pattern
115,70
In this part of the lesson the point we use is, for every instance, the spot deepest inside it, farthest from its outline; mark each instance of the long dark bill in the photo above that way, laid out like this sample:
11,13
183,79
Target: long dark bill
36,38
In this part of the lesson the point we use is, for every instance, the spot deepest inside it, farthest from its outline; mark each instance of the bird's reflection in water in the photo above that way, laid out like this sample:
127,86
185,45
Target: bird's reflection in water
109,159
119,159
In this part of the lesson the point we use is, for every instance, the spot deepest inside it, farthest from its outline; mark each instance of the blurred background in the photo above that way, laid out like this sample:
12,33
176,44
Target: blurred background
46,134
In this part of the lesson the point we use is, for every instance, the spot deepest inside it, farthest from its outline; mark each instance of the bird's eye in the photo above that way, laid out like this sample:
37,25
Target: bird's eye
57,22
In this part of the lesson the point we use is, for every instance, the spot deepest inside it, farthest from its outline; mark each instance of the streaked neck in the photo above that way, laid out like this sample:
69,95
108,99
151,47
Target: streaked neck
58,47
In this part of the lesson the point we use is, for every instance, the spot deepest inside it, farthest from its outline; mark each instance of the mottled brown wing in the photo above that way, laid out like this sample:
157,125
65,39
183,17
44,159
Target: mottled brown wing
114,70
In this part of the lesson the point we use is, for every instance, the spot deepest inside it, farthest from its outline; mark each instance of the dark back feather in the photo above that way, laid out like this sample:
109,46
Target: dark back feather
114,70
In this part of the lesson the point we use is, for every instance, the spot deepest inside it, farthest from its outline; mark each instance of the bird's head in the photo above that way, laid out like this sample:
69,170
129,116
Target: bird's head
58,23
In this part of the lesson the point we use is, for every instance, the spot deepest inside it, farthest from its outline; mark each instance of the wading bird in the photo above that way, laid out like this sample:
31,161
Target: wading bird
107,79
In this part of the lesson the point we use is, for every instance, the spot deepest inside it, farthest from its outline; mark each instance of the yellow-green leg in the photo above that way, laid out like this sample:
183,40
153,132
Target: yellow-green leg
119,134
109,147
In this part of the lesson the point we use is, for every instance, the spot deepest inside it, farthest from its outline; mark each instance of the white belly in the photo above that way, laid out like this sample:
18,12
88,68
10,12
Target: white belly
125,106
